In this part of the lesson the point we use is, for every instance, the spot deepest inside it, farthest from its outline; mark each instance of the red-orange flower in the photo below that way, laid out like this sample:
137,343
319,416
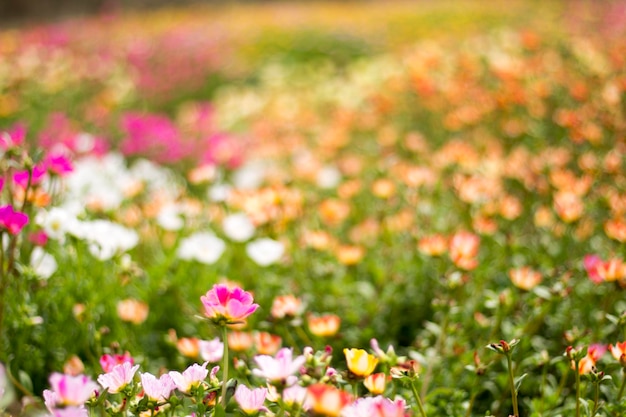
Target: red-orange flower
327,400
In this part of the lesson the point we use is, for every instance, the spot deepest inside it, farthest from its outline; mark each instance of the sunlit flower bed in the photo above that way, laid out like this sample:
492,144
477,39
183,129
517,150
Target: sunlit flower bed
396,228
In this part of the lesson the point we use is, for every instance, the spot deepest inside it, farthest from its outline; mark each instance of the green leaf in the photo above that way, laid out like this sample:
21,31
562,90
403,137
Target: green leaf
518,381
219,411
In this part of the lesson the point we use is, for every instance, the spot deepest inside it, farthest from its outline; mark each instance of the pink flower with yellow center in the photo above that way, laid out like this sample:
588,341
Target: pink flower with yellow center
250,400
224,305
119,377
68,390
360,363
191,377
278,369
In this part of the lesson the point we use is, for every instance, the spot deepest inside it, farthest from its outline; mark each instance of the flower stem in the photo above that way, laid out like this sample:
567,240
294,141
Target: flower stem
509,363
621,388
224,365
596,399
418,400
577,365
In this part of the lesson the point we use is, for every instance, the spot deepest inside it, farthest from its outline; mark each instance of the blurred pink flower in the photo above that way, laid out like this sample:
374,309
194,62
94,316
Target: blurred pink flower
120,376
13,221
250,400
68,390
58,164
227,306
13,137
153,136
211,350
278,369
108,362
375,407
591,263
21,178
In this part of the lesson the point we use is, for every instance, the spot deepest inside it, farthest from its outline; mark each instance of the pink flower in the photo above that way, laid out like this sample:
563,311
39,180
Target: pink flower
21,178
157,389
190,378
375,407
13,221
591,264
68,390
211,350
70,412
227,306
13,137
108,362
58,164
250,401
38,238
280,368
120,376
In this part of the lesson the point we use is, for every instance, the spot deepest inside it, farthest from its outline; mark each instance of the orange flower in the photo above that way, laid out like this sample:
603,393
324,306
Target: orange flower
568,206
383,188
188,346
324,326
350,254
240,341
619,352
360,362
525,278
267,343
333,212
587,363
434,245
327,400
317,239
132,310
376,383
286,306
463,250
612,270
616,229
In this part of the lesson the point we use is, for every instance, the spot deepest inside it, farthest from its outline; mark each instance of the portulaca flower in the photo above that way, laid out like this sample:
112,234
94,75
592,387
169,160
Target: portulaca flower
42,263
120,376
219,192
278,369
250,400
328,177
56,222
211,350
191,377
107,239
157,389
238,227
203,247
265,251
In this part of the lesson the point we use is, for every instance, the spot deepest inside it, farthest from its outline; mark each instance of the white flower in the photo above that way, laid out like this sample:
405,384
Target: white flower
43,263
238,227
106,238
169,217
328,177
203,247
265,251
219,192
250,176
57,222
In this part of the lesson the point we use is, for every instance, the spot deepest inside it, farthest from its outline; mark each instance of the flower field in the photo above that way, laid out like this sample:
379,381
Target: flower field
361,209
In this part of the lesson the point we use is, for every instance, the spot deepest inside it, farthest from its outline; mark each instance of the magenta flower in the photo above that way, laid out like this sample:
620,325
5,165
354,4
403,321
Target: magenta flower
21,178
157,389
58,164
11,220
108,362
250,401
13,137
278,369
120,376
69,390
191,377
227,306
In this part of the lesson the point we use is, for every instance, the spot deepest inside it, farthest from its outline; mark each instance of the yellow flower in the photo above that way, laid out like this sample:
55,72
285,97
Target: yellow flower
375,383
360,362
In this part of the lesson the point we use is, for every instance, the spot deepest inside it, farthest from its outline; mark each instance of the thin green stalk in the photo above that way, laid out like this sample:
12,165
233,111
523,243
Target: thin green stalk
471,405
596,398
509,363
622,386
577,366
224,365
418,400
